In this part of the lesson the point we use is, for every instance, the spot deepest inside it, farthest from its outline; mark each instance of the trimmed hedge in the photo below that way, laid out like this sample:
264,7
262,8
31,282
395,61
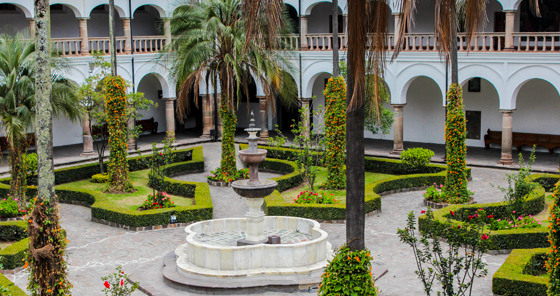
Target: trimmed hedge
86,171
512,278
527,238
14,290
547,181
372,164
12,256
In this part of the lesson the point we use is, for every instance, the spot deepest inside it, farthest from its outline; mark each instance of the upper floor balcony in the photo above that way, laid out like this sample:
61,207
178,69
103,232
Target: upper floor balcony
79,26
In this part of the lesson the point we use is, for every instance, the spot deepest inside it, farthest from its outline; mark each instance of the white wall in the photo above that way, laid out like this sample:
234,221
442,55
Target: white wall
424,116
150,85
66,132
64,24
488,102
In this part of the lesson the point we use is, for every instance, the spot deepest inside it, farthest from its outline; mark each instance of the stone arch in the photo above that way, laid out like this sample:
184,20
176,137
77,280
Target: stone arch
404,79
121,12
27,11
484,72
168,88
77,12
310,74
160,10
307,6
520,77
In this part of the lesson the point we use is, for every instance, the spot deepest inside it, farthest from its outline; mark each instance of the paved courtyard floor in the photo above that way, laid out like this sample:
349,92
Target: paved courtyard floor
95,249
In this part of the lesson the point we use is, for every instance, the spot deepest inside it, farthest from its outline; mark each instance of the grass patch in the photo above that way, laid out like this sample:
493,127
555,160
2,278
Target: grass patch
339,195
130,201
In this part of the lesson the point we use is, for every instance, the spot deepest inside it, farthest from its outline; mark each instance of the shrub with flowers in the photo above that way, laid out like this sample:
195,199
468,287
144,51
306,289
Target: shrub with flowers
553,257
116,284
219,175
456,149
228,163
348,273
160,200
434,193
514,221
9,208
308,197
335,132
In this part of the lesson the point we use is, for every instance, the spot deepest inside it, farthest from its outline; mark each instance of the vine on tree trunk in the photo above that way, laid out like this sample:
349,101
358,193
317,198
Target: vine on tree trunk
335,131
115,108
553,261
228,164
46,254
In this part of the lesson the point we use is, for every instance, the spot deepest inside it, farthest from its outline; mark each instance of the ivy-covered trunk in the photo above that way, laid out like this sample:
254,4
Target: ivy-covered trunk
47,244
116,103
335,131
553,260
228,163
456,148
18,180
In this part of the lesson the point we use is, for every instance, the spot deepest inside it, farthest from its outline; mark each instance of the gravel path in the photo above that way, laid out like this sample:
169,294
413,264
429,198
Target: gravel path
95,249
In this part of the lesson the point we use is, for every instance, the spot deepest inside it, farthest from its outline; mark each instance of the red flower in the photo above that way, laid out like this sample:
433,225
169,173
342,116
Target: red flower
459,226
122,282
470,217
490,216
422,212
107,285
484,237
160,154
452,213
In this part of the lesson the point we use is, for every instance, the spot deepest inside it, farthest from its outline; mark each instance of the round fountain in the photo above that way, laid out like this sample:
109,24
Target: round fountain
251,253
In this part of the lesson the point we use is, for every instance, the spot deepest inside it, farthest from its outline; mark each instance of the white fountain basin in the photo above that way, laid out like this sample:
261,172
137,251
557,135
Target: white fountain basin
212,259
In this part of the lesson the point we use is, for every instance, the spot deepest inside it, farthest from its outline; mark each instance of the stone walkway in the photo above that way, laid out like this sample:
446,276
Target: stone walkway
95,249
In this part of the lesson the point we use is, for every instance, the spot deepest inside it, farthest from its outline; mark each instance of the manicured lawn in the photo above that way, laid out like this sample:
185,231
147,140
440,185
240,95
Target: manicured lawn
131,200
321,178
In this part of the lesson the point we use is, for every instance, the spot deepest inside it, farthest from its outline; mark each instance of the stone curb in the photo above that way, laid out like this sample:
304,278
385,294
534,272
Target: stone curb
437,206
12,271
139,228
370,214
219,183
21,218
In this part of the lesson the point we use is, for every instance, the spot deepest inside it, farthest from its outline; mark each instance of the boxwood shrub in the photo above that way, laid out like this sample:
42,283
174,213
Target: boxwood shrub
12,256
513,278
522,238
547,181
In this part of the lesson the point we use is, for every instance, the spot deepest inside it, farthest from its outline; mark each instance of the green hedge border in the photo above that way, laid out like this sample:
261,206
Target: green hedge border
14,290
275,205
499,239
510,279
202,209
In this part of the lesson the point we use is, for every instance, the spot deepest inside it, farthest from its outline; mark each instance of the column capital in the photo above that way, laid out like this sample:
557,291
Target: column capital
507,111
510,11
83,18
397,13
126,18
306,100
303,16
169,99
398,105
261,97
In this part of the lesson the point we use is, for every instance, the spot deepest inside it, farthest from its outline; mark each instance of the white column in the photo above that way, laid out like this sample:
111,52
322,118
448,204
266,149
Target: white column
398,135
507,137
131,140
84,48
510,28
170,117
167,30
127,35
207,115
303,28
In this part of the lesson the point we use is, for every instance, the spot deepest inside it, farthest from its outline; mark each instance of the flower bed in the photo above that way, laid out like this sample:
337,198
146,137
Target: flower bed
507,239
520,274
222,179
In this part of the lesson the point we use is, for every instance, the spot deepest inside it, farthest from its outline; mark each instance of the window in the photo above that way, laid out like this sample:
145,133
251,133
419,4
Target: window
474,84
473,124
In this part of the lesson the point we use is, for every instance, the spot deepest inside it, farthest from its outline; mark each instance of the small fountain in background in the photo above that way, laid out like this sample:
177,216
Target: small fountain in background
254,190
233,253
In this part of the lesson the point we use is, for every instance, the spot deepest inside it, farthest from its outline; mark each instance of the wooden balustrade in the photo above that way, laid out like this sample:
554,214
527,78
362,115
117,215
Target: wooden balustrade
148,44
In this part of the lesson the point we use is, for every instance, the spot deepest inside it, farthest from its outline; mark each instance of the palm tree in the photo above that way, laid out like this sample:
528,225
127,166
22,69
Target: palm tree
18,101
212,46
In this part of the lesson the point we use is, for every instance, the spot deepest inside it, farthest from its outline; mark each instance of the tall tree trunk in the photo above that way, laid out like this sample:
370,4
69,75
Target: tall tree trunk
453,58
17,181
47,242
355,175
112,38
335,38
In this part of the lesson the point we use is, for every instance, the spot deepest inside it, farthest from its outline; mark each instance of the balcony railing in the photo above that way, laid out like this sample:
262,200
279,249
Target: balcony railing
148,44
547,42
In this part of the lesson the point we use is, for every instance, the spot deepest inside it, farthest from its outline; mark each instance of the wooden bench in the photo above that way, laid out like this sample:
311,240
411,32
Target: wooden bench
519,139
148,125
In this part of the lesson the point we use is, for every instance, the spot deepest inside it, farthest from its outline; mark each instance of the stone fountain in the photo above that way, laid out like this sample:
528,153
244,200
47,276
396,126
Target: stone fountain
233,254
254,190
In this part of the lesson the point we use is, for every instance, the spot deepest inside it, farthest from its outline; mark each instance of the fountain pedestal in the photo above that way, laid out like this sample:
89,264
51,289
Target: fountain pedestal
255,223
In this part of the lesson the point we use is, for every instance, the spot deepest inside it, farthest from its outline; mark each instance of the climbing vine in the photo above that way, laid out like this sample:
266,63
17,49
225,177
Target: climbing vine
228,164
553,261
115,108
47,251
335,131
455,138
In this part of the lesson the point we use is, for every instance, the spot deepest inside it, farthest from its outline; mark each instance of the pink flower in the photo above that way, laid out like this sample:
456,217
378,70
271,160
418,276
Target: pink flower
484,237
